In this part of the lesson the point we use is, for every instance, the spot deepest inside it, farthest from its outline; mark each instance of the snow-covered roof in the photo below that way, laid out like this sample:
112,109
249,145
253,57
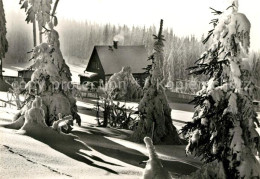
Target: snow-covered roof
88,74
113,59
26,70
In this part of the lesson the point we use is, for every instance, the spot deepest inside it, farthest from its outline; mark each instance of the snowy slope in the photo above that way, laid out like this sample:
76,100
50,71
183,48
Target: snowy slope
75,71
50,161
97,153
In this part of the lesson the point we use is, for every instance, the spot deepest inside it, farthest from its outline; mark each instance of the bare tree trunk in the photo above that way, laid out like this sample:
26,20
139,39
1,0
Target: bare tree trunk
40,36
1,69
52,14
34,33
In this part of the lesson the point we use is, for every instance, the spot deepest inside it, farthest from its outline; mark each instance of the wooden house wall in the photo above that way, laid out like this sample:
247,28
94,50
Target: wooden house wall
26,75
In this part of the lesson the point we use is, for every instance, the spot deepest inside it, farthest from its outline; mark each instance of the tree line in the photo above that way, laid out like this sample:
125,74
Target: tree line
78,39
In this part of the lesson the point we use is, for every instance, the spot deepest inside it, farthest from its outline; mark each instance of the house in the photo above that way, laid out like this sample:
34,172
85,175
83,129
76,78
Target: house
25,74
107,60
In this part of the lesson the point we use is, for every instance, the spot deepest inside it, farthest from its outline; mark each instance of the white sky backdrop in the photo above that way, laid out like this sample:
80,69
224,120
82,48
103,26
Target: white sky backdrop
186,17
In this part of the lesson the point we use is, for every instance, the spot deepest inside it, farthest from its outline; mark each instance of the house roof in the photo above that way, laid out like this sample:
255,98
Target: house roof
113,59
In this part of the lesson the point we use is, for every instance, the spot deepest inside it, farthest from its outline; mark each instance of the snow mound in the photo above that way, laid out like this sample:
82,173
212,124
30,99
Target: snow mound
35,115
154,168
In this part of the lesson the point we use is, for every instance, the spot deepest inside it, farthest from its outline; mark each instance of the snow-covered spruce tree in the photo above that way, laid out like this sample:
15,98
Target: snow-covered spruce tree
51,81
155,113
122,85
223,129
3,46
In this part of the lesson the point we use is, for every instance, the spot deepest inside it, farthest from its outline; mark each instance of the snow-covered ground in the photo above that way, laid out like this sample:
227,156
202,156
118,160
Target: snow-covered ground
96,153
75,71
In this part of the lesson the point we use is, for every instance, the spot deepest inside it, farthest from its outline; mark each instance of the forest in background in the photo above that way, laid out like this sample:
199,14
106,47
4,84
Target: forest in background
78,39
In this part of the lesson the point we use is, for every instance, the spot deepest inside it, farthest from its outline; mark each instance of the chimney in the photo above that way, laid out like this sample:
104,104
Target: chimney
115,44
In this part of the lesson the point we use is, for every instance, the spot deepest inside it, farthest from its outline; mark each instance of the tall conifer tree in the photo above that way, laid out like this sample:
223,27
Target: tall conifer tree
155,113
223,128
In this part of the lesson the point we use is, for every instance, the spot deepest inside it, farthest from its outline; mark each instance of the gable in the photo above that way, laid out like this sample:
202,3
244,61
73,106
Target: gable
94,64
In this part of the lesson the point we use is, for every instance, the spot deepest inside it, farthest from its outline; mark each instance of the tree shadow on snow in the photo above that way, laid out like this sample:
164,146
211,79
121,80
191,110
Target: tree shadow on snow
87,111
69,145
110,148
124,154
107,131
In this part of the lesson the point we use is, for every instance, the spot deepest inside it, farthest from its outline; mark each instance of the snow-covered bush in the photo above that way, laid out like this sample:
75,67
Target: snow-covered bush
63,124
155,113
114,114
223,128
122,85
121,117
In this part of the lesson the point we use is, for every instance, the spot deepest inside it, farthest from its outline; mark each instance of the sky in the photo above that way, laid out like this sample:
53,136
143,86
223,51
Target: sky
186,17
